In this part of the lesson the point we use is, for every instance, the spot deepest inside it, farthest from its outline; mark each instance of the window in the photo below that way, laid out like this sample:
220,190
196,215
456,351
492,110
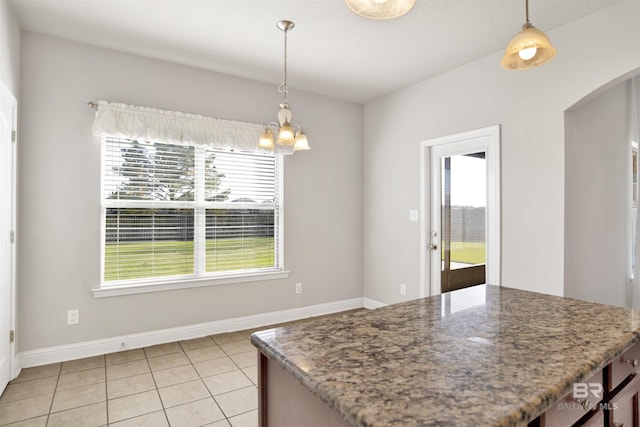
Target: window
173,212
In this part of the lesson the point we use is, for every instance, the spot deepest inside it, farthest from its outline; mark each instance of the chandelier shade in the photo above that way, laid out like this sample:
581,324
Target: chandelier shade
301,142
266,140
528,49
380,9
286,135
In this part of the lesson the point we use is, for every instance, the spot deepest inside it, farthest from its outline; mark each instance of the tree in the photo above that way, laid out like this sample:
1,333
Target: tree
135,167
164,172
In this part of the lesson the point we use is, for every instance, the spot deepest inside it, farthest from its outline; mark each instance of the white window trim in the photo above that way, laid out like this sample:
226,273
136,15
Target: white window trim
168,283
183,282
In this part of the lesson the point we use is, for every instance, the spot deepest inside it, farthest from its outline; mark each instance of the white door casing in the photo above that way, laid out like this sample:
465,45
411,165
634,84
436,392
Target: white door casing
8,113
485,140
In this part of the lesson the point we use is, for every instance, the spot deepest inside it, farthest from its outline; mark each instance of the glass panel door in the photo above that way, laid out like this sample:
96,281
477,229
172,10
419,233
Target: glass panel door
463,204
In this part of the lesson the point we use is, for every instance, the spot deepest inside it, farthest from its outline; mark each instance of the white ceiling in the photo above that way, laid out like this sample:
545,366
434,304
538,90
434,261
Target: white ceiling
331,50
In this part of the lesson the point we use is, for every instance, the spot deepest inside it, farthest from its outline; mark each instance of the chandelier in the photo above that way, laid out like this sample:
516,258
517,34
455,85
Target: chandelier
288,135
529,48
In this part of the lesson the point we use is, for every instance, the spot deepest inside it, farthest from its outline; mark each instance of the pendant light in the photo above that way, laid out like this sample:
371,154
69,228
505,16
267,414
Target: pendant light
284,133
529,48
380,9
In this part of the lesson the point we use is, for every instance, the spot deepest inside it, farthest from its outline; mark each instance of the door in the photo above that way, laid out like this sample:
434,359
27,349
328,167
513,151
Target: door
460,190
7,218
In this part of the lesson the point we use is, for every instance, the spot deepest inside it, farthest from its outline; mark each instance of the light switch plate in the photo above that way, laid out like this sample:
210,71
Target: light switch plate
73,317
413,215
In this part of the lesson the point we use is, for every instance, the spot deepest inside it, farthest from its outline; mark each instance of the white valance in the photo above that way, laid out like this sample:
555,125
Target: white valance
151,124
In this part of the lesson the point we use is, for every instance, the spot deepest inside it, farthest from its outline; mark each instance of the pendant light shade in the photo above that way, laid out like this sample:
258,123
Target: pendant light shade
380,9
529,48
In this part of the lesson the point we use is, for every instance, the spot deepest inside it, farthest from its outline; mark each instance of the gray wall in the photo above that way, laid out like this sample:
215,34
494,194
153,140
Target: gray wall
59,208
9,49
597,197
529,106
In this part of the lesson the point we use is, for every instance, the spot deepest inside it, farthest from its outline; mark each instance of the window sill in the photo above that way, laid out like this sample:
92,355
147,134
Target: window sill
160,285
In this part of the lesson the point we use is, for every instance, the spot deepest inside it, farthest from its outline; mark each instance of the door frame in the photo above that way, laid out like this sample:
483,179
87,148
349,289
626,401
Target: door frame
14,364
485,139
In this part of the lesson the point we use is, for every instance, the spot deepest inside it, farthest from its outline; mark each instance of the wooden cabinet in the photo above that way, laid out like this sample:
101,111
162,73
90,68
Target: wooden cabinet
284,402
616,406
624,366
623,406
570,410
596,420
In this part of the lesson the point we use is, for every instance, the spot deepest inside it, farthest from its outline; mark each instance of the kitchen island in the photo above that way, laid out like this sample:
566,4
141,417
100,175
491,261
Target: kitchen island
482,356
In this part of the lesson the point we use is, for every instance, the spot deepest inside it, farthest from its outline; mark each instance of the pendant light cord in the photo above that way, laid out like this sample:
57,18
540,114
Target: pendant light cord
526,6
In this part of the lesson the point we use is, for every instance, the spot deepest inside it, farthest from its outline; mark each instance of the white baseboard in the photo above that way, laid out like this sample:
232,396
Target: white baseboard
16,365
81,350
372,304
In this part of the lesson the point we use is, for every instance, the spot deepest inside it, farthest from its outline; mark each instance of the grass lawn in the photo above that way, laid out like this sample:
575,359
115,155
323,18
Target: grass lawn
172,258
468,252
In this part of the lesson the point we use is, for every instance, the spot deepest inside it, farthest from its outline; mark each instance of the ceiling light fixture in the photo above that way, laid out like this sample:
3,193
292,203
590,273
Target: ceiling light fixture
288,135
380,9
529,48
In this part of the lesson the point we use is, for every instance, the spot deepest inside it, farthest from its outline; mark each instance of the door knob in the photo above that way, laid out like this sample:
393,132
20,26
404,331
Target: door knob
433,247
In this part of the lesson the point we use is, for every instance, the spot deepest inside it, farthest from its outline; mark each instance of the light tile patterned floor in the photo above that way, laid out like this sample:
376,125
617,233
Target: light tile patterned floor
208,381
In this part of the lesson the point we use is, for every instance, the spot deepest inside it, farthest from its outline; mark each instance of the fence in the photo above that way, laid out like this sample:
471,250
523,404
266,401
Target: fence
467,224
140,225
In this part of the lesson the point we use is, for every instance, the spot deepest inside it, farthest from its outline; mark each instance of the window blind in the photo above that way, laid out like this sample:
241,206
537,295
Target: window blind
187,210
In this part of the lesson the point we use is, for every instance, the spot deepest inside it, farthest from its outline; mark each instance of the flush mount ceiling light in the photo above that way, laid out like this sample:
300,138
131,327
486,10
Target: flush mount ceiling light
529,48
380,9
288,135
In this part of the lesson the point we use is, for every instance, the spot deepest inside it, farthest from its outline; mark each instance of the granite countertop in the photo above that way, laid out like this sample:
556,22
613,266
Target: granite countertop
482,356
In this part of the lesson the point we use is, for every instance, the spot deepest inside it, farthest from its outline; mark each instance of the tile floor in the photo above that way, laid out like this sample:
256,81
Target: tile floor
208,381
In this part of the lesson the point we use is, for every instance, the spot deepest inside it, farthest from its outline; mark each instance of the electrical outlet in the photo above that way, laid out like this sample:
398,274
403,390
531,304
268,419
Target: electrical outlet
73,317
298,288
403,289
